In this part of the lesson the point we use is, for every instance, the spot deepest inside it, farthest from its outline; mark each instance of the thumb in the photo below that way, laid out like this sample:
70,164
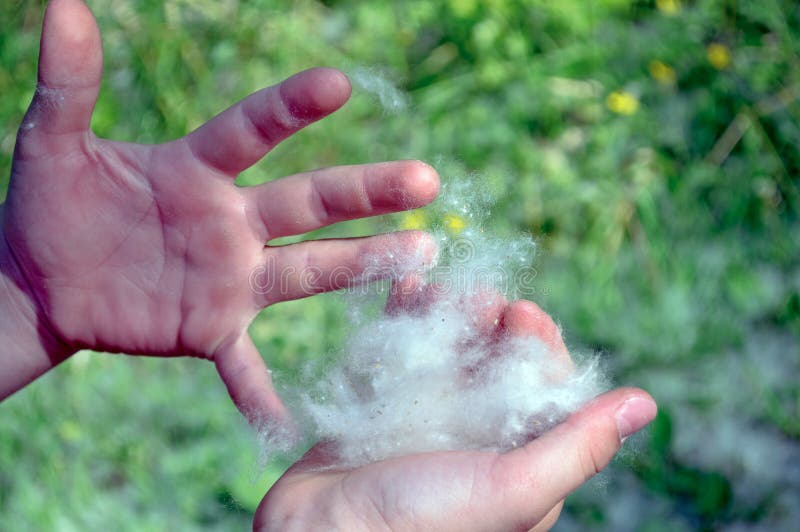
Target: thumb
70,69
536,477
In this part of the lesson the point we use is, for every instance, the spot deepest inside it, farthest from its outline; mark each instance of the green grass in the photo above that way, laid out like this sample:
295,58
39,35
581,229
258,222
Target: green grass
667,242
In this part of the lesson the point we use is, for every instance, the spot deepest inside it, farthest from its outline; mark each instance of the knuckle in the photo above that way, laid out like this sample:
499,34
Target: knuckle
594,456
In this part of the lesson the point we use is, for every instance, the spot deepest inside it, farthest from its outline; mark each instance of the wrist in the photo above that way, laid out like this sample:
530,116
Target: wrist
27,348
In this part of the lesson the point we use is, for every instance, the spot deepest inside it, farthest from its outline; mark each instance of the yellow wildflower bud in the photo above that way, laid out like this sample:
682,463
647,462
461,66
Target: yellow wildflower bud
413,220
622,102
718,55
668,7
454,223
662,72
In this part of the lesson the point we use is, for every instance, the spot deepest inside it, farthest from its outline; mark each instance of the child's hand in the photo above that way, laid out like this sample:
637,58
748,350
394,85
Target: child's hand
152,249
518,490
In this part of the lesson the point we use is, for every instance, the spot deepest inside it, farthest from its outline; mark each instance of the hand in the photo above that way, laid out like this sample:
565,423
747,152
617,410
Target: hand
151,249
519,490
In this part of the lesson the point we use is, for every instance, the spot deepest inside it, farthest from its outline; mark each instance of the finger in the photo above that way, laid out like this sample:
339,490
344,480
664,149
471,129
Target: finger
525,318
410,294
308,268
70,68
241,135
301,203
529,481
249,384
486,308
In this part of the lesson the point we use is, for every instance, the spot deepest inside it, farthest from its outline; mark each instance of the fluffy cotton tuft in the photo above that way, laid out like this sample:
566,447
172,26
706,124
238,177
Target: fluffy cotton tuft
375,82
410,384
429,374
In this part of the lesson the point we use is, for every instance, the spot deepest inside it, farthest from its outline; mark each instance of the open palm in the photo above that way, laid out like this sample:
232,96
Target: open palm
519,490
153,249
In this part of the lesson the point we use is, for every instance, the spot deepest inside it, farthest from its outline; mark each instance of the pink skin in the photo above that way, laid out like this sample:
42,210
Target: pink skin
150,250
519,490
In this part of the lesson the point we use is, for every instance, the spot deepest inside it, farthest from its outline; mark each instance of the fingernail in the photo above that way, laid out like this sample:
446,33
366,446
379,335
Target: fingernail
633,415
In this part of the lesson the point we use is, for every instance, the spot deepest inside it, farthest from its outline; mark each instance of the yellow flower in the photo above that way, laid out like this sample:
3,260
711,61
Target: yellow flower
622,102
662,72
413,220
669,7
454,223
718,55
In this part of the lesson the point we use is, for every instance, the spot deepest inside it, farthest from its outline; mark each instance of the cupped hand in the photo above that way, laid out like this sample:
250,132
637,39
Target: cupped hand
153,249
518,490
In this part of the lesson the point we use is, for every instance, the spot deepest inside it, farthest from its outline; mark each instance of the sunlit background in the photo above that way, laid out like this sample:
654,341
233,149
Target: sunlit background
652,148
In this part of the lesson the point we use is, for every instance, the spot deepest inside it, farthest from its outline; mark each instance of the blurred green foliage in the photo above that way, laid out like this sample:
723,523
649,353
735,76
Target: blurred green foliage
653,148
